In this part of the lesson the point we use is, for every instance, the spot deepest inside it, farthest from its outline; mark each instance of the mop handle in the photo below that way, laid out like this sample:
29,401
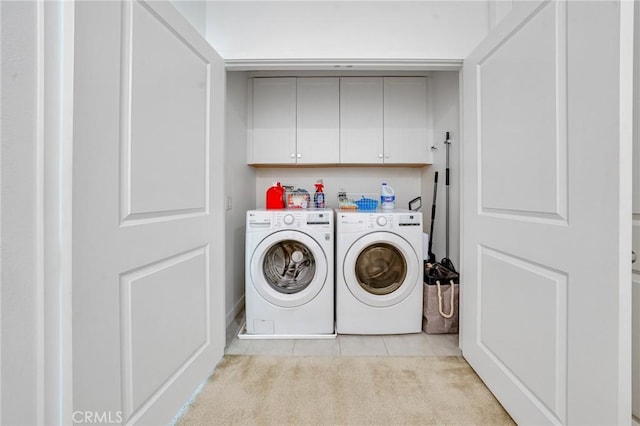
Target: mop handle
433,211
447,142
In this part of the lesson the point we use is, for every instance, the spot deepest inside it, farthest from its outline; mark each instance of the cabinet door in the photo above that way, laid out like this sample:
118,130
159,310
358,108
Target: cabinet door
406,133
361,137
273,138
318,120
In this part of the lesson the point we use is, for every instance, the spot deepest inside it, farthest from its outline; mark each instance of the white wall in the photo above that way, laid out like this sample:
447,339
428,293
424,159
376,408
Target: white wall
446,118
18,254
240,186
194,12
346,30
404,180
498,9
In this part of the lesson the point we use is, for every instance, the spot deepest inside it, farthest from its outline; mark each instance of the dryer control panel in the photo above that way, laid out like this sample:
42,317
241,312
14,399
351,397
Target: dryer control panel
411,219
380,220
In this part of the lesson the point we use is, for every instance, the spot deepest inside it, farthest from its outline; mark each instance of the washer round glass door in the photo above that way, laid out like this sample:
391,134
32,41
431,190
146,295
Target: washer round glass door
288,268
381,269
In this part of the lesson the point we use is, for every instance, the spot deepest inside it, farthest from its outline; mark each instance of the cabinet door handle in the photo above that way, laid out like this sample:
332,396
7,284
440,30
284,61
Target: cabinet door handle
379,155
299,155
633,257
292,156
387,156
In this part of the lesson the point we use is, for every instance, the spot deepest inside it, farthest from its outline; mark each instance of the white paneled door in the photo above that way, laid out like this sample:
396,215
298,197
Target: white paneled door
546,212
148,313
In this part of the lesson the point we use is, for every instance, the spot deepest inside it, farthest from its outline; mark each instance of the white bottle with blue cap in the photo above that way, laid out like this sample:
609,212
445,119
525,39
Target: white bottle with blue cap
387,197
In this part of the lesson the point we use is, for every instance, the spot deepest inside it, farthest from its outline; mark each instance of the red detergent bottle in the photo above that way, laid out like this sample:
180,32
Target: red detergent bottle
275,196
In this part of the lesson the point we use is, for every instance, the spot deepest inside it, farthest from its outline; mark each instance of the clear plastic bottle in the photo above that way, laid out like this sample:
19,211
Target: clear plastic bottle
387,197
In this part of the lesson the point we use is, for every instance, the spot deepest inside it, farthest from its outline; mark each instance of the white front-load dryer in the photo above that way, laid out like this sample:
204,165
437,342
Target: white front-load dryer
289,272
379,272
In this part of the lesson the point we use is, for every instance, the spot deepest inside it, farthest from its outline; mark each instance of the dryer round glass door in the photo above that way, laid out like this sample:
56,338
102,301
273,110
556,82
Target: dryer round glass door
381,269
288,268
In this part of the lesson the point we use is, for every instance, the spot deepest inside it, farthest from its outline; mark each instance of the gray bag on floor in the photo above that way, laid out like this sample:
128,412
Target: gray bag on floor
441,308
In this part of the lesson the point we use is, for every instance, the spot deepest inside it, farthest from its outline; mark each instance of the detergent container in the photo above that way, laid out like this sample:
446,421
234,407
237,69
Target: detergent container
275,196
387,197
318,197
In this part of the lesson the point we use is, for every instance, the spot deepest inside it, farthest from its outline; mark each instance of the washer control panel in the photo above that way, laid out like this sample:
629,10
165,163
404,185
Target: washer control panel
410,219
259,220
288,219
319,218
303,219
380,221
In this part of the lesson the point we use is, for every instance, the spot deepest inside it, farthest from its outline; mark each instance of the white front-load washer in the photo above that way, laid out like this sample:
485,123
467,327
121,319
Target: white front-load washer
379,272
289,272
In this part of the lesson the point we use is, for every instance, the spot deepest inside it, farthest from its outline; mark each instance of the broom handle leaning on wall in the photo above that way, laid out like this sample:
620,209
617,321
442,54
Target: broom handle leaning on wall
432,257
447,142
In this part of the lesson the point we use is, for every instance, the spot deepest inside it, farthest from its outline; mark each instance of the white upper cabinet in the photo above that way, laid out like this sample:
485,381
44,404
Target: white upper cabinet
272,139
318,120
346,120
361,119
407,137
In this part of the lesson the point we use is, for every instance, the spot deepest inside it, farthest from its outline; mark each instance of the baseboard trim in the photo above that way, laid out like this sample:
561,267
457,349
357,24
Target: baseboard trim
231,316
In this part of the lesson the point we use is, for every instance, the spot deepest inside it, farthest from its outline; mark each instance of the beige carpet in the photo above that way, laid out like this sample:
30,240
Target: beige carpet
270,390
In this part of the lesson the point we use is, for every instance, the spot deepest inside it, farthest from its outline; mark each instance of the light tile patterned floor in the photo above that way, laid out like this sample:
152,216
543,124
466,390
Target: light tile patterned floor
419,344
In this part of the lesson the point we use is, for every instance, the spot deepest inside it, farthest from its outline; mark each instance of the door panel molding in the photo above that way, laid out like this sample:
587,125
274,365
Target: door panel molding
136,400
519,133
148,181
541,290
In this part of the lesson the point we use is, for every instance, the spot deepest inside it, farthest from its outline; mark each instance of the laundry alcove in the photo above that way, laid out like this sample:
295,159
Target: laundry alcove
546,96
